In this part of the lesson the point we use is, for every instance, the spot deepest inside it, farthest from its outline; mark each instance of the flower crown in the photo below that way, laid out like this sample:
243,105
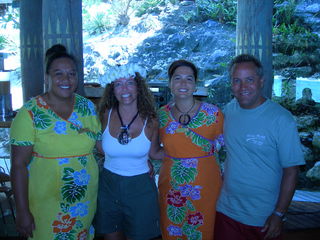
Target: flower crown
124,71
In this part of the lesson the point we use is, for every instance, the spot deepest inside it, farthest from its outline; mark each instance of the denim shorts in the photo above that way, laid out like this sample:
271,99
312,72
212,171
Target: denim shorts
128,205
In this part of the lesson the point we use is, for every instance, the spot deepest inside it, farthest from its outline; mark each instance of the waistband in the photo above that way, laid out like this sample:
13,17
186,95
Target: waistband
168,156
35,154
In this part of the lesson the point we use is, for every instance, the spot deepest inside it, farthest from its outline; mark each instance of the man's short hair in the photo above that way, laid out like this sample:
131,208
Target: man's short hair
242,58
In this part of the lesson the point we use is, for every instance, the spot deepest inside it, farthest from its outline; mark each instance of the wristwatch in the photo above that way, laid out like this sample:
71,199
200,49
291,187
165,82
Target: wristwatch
280,215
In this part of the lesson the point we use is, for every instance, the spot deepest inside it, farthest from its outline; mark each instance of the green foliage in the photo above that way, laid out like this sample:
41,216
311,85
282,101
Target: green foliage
97,20
148,6
224,11
290,34
11,17
3,42
285,13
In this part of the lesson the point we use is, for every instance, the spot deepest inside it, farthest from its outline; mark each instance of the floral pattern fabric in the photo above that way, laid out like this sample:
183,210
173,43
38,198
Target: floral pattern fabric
190,181
63,174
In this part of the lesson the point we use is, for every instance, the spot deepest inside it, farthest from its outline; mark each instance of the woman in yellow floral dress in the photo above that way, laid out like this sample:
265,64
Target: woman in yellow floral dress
54,173
189,182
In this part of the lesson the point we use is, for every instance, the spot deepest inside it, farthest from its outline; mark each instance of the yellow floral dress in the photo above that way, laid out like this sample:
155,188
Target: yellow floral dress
63,174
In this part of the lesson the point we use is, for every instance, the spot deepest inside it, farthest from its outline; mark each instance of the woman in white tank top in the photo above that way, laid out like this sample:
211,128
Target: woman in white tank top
127,199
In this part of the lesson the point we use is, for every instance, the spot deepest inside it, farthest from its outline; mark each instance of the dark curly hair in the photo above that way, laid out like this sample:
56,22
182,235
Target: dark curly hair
145,99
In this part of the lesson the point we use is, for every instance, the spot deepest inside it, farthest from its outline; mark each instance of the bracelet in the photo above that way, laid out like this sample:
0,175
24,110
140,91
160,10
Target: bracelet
281,215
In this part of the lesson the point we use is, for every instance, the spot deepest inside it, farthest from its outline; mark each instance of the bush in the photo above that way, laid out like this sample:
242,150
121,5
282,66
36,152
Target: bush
224,11
148,6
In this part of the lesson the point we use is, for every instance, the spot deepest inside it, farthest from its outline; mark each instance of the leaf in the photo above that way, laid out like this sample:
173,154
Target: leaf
64,207
163,118
190,206
83,160
199,141
198,121
72,192
41,119
176,214
182,174
191,232
68,174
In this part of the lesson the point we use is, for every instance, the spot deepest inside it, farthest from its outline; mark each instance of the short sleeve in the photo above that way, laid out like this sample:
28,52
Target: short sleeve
289,145
22,132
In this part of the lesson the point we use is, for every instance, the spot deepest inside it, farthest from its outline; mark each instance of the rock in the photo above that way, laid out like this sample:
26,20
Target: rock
306,122
316,140
314,173
307,153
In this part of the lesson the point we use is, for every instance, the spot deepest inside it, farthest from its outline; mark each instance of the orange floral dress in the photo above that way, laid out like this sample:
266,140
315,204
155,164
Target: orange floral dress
190,179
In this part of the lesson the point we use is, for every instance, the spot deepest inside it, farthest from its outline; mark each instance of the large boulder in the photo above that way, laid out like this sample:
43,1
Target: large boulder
314,173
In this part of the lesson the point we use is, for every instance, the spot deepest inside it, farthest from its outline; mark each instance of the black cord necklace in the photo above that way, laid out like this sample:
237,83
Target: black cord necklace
124,136
185,118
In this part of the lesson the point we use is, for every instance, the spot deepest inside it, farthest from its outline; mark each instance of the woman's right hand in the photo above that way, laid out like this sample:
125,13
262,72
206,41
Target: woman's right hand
25,223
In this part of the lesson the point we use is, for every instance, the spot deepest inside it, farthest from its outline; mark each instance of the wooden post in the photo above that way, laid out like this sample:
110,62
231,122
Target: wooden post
62,23
31,48
254,35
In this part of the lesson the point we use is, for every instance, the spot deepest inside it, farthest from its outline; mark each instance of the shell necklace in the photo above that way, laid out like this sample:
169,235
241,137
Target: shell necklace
124,136
185,118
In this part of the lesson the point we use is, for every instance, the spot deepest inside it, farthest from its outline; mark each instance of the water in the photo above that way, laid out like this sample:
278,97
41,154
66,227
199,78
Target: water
301,83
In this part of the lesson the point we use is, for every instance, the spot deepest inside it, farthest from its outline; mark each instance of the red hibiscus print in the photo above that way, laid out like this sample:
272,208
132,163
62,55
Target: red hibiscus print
83,235
174,198
195,219
42,103
65,225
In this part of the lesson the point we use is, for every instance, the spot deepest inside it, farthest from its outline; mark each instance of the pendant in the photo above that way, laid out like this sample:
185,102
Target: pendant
124,137
184,119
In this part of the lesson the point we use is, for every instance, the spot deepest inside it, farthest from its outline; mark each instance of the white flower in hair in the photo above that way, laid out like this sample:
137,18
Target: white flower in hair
124,71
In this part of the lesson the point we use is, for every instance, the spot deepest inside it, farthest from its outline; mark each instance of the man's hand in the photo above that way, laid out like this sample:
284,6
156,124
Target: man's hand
272,227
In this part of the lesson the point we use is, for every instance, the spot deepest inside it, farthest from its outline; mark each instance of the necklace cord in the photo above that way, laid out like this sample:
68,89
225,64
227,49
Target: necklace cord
126,126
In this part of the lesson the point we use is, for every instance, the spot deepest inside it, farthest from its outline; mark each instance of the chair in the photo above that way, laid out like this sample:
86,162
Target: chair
4,188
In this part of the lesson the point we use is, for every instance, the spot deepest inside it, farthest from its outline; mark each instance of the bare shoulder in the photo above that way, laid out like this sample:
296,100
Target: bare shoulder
104,119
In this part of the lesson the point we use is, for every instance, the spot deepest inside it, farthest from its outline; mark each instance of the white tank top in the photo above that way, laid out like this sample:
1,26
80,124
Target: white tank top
126,160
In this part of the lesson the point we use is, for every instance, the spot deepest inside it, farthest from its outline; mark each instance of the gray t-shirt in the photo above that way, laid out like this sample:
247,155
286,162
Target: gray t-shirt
260,142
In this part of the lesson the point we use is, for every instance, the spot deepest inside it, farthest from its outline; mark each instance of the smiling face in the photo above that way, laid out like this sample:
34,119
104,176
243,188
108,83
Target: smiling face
183,82
125,90
62,78
246,85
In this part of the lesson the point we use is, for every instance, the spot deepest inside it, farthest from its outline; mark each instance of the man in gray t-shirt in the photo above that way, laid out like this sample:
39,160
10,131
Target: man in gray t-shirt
263,158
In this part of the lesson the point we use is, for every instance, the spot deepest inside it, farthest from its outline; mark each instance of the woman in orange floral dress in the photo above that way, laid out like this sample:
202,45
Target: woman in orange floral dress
189,182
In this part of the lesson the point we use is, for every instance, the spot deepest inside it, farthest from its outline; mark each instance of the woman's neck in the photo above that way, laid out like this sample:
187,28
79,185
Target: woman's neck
185,104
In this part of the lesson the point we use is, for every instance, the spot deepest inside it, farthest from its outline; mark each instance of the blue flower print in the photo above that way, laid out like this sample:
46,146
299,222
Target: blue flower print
74,119
189,162
172,127
92,108
80,209
60,127
209,108
63,160
174,230
91,230
191,191
81,178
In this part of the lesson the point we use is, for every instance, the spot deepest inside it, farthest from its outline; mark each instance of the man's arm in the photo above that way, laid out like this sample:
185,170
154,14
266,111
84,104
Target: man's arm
273,224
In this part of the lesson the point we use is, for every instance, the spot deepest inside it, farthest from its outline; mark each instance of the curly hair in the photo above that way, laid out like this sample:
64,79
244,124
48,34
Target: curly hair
145,99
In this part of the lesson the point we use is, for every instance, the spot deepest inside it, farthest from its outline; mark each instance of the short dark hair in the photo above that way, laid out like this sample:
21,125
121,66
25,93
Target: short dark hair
247,58
180,63
55,52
